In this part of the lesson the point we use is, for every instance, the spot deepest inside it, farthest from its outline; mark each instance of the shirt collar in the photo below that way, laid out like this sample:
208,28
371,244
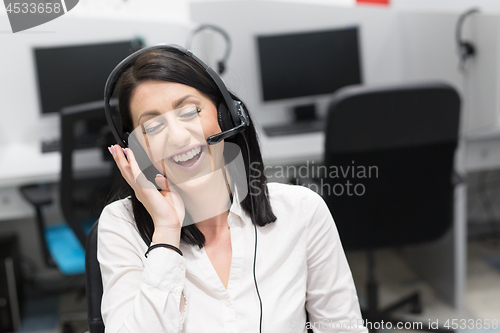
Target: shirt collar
237,209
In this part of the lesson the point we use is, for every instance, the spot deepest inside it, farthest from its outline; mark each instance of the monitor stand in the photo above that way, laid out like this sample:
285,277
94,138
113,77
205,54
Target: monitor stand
304,113
305,121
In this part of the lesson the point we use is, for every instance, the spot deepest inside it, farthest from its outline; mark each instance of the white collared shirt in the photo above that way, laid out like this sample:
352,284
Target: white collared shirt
300,266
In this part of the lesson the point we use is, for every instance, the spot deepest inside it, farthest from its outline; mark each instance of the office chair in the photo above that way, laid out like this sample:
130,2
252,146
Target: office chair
93,283
393,149
82,193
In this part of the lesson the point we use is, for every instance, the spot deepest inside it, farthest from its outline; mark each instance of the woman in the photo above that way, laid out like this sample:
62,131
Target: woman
200,273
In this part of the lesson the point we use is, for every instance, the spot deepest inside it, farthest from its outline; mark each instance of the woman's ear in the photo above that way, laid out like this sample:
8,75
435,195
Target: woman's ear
224,118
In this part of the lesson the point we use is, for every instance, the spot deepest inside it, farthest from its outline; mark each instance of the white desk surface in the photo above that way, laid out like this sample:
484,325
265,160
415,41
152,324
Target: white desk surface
292,149
24,163
482,149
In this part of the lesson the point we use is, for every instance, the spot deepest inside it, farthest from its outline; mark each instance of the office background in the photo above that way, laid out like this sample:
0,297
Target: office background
405,41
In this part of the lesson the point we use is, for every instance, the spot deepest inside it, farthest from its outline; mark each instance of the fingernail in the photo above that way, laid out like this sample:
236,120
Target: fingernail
159,175
124,151
113,149
110,151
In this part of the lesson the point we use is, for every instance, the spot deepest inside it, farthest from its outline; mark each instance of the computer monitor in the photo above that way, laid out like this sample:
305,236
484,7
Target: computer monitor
76,74
308,63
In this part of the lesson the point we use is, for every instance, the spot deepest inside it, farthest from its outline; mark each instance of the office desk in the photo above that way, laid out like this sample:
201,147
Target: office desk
292,149
483,149
23,164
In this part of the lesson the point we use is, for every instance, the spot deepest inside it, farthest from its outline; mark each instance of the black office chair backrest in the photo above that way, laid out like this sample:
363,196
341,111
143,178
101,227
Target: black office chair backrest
83,193
389,152
93,281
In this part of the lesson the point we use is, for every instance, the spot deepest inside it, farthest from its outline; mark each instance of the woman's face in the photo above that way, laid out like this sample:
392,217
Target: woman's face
172,122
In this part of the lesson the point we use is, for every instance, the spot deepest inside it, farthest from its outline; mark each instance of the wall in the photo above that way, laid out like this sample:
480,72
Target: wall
487,6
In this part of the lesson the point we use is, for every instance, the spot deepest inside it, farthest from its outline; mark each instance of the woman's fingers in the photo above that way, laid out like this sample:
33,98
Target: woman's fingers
122,164
152,199
162,182
137,174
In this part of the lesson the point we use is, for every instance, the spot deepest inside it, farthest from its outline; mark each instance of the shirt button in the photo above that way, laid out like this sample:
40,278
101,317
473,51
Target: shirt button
181,266
227,303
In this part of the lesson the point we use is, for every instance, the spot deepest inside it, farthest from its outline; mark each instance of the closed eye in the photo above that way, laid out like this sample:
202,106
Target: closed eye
151,129
190,114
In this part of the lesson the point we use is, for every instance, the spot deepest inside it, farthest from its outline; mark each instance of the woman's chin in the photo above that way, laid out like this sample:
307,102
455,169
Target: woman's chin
207,180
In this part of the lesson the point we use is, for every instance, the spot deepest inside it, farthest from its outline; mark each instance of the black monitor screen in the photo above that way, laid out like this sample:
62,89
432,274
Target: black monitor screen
306,64
77,74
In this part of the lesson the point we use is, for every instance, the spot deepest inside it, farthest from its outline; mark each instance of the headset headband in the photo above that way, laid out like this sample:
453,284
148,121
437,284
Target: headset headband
236,110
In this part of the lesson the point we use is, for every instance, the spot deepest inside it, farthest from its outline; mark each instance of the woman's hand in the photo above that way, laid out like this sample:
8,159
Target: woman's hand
165,206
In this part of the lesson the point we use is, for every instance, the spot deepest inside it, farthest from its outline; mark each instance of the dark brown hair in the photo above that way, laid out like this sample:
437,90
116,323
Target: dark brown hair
173,66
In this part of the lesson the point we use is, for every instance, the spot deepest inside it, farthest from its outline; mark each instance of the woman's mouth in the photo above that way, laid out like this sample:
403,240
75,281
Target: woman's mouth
189,158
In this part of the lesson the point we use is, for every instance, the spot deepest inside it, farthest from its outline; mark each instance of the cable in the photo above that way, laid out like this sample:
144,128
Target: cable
255,227
465,49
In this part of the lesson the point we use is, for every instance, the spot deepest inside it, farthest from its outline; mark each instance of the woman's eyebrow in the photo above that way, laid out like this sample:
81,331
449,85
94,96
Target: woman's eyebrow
148,113
181,100
174,106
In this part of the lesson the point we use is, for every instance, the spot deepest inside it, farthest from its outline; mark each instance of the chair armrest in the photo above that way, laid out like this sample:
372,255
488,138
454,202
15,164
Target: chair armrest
36,195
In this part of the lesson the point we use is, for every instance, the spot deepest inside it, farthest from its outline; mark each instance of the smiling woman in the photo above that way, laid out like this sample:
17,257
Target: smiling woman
197,226
174,130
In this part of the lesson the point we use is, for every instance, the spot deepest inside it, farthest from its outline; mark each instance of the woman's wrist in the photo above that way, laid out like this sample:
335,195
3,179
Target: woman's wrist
168,235
163,245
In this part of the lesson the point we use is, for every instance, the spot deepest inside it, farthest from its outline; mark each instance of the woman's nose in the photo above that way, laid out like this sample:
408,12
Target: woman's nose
178,135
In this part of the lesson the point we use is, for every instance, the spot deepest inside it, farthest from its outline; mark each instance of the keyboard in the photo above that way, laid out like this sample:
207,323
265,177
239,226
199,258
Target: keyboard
295,128
82,142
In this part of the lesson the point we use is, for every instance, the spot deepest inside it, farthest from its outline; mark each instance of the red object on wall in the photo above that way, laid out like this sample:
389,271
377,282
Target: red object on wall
377,2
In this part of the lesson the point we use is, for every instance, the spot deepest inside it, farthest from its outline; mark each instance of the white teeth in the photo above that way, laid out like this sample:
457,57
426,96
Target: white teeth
187,156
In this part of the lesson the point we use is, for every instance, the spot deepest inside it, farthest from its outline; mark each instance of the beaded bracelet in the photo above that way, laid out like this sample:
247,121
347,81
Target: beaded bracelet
163,245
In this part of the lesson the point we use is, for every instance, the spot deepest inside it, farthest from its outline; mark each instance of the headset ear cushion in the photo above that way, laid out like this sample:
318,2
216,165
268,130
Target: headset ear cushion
224,118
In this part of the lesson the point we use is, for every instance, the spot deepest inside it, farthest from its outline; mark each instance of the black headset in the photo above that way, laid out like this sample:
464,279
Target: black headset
466,49
231,114
221,64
